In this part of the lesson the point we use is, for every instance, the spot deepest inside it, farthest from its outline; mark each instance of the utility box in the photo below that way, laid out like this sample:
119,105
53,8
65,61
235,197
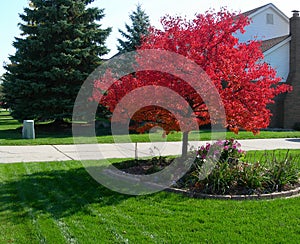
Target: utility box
28,129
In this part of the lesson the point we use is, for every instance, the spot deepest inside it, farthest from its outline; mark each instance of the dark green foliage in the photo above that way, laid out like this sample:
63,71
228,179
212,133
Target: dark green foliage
134,34
61,45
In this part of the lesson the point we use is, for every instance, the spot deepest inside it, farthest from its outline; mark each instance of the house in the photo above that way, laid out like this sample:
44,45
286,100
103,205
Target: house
280,38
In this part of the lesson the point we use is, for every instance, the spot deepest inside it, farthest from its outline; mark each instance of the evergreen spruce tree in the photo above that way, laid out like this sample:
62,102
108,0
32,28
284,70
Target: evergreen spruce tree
133,34
61,45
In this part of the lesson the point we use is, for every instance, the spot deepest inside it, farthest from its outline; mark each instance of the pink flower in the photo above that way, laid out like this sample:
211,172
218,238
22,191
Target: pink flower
220,143
207,146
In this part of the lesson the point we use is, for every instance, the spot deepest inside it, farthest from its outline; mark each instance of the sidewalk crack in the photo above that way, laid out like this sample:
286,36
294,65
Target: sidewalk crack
57,149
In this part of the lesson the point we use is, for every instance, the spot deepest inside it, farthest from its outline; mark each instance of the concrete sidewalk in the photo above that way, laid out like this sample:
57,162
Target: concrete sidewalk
45,153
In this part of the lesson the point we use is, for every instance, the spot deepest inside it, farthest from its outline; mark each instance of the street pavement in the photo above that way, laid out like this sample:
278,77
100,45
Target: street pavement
46,153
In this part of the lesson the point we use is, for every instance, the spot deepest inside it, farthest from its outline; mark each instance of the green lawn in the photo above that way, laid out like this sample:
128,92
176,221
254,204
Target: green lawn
59,202
11,134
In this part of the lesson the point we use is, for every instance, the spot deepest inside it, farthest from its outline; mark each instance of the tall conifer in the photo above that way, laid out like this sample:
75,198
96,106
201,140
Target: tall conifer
132,37
61,44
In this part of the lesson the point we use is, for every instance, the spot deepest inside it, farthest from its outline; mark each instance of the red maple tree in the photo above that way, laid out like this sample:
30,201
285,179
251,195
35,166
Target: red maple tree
244,82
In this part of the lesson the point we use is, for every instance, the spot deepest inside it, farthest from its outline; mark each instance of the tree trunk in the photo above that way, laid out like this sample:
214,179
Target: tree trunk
185,138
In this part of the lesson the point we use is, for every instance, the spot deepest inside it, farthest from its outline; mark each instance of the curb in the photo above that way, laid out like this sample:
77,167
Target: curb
283,194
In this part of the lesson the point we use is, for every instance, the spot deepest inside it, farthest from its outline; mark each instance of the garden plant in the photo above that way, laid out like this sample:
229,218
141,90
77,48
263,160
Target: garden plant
232,171
235,173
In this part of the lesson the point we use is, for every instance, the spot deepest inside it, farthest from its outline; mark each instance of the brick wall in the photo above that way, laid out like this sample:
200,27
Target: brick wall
292,100
277,110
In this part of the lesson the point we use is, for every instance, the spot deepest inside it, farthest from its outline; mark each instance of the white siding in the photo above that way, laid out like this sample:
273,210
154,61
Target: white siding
259,28
278,57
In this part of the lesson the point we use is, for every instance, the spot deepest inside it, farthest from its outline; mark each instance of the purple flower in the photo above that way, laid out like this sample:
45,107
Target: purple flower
220,143
207,146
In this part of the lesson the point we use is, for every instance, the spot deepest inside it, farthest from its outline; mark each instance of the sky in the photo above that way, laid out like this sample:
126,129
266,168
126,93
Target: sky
117,14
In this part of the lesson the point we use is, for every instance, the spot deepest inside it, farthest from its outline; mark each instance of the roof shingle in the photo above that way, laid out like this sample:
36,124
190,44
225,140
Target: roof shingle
268,44
247,13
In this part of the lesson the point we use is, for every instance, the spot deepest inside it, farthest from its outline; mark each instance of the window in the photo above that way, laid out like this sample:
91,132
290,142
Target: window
270,19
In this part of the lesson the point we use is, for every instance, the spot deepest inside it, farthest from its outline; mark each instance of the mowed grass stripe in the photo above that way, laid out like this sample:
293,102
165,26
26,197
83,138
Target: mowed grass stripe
30,228
32,218
15,226
140,220
81,200
133,224
56,198
94,214
106,221
204,220
120,217
50,228
62,183
33,200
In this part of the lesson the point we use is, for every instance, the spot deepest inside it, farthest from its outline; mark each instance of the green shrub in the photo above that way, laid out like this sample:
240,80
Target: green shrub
233,173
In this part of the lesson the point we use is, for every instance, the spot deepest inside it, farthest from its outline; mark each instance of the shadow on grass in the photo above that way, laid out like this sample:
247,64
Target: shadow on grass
13,134
58,193
43,131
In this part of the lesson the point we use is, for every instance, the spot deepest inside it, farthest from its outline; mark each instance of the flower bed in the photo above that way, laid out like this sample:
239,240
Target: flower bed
231,173
234,173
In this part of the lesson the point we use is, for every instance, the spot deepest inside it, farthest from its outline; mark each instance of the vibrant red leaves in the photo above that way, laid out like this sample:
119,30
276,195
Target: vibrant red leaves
245,84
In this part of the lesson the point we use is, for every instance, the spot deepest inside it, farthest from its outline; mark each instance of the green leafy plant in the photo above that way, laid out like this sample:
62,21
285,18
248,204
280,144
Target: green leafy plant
251,177
220,180
234,173
282,169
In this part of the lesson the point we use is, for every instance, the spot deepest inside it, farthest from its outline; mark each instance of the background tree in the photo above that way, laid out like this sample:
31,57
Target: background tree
62,42
133,35
1,93
245,84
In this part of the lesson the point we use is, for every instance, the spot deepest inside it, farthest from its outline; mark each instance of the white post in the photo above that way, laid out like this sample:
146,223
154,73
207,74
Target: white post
28,129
